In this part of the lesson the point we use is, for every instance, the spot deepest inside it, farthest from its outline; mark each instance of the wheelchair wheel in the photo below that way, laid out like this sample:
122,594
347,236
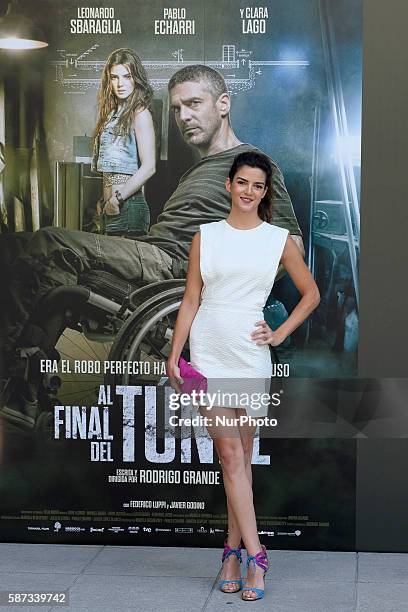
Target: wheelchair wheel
78,388
146,338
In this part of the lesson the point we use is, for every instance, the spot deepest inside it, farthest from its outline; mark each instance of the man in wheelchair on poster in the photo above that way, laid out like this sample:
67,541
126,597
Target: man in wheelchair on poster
113,288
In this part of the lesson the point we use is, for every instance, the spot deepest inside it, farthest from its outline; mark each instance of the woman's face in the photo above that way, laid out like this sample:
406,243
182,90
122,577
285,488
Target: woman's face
122,81
247,188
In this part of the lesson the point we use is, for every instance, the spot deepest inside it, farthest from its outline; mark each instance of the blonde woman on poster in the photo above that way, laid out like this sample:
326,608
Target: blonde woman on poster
124,144
232,268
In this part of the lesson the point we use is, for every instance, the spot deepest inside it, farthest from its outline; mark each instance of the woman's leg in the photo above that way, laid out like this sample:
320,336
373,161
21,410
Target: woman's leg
246,433
139,215
238,487
134,218
232,569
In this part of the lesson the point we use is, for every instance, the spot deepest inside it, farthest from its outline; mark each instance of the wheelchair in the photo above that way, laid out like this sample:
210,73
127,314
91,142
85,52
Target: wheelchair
103,318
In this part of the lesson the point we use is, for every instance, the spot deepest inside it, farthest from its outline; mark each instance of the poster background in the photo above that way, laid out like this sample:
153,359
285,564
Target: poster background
347,449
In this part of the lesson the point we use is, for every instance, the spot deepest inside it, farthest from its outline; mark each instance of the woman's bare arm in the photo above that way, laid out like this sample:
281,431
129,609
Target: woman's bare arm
146,146
300,274
298,240
188,308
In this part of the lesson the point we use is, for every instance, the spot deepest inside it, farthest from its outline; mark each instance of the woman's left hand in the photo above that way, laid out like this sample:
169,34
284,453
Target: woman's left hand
111,206
173,372
265,335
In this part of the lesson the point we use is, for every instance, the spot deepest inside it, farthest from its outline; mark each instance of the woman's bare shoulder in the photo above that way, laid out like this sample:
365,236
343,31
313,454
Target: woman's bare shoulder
143,117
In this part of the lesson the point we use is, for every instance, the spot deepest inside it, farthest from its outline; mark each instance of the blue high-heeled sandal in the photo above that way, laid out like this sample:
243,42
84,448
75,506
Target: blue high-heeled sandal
228,551
260,560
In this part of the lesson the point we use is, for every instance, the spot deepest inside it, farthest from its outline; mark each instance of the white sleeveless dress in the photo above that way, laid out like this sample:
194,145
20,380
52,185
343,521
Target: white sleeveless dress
238,268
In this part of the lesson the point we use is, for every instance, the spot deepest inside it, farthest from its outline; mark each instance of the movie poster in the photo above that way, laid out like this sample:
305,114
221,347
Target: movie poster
100,460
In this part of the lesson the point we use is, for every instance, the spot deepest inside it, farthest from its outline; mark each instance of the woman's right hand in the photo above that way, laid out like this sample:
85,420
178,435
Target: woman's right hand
173,372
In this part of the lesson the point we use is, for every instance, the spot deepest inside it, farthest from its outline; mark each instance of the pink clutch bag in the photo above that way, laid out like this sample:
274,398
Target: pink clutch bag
193,379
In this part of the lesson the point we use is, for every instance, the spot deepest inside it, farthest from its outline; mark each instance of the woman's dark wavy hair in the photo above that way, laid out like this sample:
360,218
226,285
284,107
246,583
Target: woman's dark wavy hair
255,159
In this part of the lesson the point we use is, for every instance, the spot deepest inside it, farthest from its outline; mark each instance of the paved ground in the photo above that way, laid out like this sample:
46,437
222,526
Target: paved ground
138,578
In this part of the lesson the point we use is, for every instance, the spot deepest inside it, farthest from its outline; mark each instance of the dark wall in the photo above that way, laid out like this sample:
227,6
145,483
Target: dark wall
381,495
383,348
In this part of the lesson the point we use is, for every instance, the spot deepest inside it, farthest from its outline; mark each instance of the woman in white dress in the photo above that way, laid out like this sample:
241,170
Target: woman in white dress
232,268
